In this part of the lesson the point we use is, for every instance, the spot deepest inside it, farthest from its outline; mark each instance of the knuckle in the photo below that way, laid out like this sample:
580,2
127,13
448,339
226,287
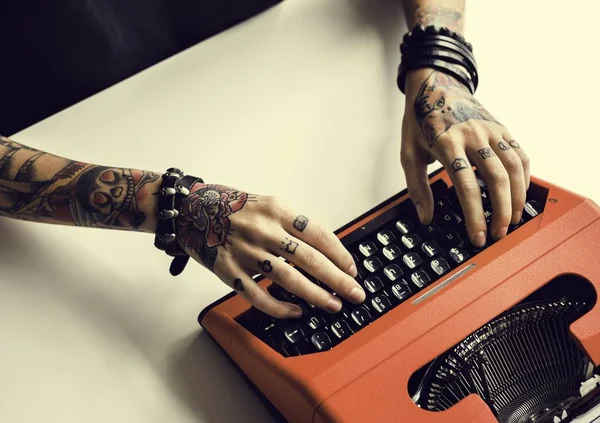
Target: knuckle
310,259
513,163
499,177
525,160
469,189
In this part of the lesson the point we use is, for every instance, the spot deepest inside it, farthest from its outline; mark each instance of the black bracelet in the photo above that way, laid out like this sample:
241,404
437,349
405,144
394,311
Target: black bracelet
440,65
440,49
174,189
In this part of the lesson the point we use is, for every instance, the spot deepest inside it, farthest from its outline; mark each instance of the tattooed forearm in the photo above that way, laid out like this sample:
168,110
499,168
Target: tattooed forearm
450,17
204,224
39,186
448,13
459,164
443,102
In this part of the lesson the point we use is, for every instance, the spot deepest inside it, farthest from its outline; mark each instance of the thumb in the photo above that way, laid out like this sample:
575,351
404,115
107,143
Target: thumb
415,170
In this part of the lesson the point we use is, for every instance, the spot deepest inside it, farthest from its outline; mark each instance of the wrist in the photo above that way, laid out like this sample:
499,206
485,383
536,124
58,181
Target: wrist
148,204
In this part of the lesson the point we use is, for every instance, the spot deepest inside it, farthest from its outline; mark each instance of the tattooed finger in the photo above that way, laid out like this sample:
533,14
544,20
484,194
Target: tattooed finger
255,294
300,223
314,263
514,144
486,153
459,164
503,146
238,285
289,245
513,165
318,237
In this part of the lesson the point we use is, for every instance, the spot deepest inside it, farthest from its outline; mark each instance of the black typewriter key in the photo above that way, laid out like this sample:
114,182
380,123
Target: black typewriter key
391,252
290,298
293,334
450,220
420,278
458,254
276,291
372,264
440,266
385,237
442,204
405,226
431,230
341,329
485,197
487,213
451,239
431,248
361,316
293,350
373,284
412,260
532,209
411,240
381,304
321,341
392,271
367,248
315,322
401,290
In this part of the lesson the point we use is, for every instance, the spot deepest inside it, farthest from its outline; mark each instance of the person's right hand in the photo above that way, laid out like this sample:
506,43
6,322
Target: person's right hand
237,235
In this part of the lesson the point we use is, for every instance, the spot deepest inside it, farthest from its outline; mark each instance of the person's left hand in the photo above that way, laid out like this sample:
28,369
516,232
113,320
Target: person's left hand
443,121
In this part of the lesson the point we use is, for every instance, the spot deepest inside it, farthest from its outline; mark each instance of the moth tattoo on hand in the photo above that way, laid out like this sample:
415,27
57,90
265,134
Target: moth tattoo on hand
443,102
486,153
459,164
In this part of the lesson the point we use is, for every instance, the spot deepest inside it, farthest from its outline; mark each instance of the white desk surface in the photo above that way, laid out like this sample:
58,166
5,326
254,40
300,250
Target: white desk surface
299,102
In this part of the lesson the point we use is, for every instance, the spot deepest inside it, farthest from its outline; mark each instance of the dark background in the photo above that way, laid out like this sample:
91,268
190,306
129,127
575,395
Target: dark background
55,53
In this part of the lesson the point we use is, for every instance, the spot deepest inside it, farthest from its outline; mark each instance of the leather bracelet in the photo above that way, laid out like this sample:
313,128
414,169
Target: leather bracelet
440,49
175,188
450,57
440,65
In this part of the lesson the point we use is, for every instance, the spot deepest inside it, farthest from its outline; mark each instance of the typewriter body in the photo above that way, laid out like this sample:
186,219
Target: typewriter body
448,333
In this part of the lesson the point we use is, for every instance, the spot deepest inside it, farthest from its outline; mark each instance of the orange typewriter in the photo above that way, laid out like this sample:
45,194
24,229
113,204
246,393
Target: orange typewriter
448,333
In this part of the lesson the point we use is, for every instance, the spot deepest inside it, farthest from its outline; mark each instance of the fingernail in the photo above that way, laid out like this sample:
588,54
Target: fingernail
295,312
357,295
334,305
479,239
500,232
353,270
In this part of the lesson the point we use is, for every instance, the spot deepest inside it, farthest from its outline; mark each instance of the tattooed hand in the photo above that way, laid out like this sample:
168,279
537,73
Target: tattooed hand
237,235
444,121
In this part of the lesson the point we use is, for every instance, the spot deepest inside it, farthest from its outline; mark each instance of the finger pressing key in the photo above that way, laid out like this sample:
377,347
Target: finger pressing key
319,238
292,280
255,295
496,177
315,263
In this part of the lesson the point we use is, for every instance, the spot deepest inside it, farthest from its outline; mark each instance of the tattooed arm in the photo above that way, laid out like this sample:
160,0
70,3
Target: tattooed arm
443,121
38,186
233,234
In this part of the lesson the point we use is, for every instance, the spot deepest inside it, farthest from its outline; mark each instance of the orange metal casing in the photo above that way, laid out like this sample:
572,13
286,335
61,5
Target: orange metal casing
365,378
